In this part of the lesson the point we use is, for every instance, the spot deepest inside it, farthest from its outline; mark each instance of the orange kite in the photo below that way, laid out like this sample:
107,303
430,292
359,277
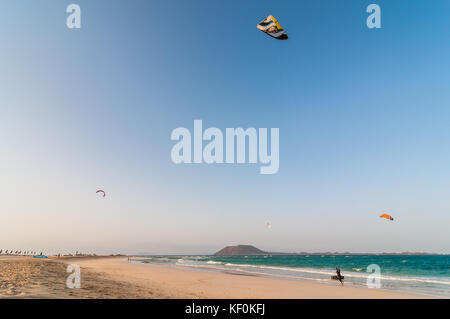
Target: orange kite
387,216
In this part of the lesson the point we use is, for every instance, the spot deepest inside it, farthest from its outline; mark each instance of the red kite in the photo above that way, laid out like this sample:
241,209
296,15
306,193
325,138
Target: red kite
100,191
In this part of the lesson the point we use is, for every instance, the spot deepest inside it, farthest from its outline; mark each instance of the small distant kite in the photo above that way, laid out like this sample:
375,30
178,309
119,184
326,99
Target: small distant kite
387,216
270,26
268,226
102,192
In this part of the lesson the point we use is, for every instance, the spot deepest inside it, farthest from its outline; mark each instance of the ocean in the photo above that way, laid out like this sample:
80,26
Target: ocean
418,274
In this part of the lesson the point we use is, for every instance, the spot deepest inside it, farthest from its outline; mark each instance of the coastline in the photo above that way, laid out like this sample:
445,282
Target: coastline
183,283
114,277
405,274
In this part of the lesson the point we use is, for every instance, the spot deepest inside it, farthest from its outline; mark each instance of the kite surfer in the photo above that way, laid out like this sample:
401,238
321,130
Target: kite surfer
339,276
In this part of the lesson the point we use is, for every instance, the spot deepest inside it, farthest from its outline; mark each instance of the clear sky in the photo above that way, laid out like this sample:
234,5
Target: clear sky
363,117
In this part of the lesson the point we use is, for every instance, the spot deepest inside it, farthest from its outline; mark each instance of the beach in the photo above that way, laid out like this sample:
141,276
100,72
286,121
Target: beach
26,277
115,277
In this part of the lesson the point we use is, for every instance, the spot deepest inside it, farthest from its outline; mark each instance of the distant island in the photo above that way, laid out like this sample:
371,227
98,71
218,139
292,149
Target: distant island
241,250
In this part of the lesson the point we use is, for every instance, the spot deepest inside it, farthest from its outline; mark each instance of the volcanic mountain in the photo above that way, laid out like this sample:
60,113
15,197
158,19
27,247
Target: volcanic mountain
240,250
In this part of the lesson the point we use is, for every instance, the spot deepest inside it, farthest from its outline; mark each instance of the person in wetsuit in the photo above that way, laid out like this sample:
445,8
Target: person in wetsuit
339,276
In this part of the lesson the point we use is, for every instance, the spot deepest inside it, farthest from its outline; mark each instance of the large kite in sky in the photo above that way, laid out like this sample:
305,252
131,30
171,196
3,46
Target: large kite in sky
270,26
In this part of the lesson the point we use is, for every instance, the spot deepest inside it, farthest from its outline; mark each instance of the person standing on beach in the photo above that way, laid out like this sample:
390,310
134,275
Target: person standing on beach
339,276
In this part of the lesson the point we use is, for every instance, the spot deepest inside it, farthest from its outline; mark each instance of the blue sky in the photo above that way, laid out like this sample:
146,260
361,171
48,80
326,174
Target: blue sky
363,117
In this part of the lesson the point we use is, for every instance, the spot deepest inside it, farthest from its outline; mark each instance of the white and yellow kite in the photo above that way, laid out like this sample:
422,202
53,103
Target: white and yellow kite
270,26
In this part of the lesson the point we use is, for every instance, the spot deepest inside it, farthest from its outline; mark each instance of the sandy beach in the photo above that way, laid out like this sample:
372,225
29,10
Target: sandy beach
114,277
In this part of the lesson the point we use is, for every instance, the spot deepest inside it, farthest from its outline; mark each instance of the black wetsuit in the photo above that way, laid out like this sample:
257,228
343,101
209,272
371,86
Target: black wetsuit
339,276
